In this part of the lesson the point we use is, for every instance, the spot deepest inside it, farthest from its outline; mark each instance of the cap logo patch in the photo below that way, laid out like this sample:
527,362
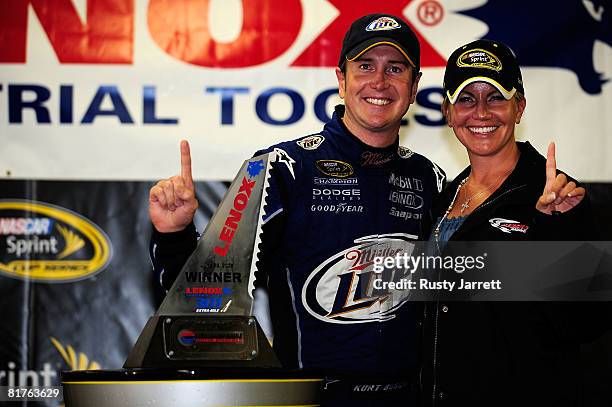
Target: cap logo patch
383,24
311,142
479,58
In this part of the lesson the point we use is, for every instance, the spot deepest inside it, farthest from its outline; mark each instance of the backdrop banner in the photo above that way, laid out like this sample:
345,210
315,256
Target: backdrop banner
96,94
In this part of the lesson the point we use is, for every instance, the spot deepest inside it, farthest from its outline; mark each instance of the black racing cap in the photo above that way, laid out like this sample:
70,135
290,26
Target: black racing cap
483,61
380,29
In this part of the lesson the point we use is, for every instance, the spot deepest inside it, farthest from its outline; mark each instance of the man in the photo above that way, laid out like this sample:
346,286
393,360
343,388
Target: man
337,200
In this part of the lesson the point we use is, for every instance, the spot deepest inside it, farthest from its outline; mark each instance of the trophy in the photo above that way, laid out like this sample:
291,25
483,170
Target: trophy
206,317
203,347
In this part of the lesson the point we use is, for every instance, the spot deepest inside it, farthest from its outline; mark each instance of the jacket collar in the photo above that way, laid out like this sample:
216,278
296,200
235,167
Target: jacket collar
356,150
527,173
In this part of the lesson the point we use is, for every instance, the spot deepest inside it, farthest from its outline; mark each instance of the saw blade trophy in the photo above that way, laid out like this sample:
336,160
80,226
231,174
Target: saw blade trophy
206,317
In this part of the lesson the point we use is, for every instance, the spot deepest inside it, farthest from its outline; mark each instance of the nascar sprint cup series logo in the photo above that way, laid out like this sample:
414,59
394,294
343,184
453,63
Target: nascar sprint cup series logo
47,243
342,289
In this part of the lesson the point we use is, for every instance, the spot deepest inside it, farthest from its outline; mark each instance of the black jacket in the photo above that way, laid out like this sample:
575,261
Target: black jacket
501,353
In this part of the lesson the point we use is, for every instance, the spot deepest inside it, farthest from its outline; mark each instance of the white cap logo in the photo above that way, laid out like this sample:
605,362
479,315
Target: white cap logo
383,24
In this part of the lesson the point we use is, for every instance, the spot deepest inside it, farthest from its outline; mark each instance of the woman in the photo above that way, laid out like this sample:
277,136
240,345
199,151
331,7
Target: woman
494,353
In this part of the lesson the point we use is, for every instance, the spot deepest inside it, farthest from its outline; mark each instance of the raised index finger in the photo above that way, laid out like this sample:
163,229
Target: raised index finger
551,167
186,163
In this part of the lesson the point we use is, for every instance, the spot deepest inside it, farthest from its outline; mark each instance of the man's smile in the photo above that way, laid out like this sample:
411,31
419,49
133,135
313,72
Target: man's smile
378,101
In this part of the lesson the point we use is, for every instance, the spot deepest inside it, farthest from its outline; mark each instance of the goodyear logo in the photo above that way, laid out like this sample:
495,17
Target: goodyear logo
479,58
44,242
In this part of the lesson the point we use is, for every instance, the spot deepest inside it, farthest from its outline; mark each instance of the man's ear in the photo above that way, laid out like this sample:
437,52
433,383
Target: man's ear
341,82
415,87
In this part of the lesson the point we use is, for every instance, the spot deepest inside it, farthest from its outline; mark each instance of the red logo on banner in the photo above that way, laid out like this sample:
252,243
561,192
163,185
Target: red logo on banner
181,29
107,37
269,28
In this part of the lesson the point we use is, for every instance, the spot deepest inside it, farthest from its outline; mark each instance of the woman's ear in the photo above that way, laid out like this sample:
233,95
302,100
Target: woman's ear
521,103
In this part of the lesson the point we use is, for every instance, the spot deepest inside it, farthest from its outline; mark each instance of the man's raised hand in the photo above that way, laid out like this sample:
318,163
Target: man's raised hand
172,201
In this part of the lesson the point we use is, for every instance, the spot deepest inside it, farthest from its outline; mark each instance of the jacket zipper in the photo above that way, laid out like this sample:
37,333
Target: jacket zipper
435,344
435,355
437,308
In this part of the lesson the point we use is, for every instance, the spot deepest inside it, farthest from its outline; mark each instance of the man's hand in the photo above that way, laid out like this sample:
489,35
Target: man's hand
172,201
559,195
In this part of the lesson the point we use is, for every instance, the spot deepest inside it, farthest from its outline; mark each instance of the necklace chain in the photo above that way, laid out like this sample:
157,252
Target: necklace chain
450,208
466,203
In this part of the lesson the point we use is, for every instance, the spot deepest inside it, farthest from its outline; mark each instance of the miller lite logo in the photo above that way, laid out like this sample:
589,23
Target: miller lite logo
342,290
404,152
311,142
383,24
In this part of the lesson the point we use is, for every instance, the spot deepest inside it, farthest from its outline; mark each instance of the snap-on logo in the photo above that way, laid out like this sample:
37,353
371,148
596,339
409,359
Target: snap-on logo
508,226
48,243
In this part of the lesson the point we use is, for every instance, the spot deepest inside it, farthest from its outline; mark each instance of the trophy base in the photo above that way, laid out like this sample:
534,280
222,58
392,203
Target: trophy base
187,388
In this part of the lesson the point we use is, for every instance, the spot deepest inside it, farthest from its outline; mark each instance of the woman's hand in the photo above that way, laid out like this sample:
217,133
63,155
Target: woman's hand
558,195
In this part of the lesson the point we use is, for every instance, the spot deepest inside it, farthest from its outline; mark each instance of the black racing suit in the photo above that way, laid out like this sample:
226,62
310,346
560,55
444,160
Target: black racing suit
334,204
